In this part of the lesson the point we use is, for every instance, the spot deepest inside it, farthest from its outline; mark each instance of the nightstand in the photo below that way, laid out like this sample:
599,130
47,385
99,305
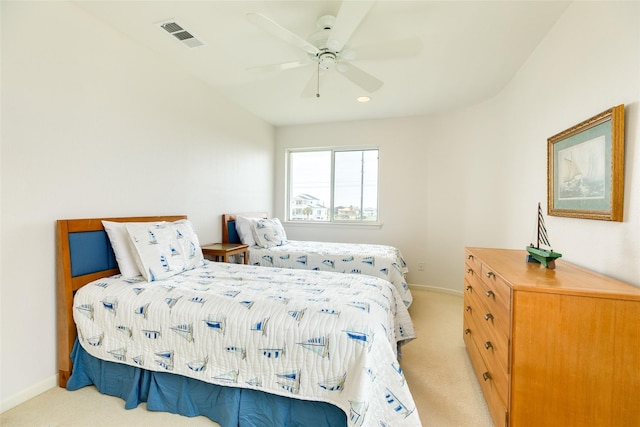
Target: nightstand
224,250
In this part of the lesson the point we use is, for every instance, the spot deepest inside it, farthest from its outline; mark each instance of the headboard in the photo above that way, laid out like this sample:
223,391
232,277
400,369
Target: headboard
83,254
229,233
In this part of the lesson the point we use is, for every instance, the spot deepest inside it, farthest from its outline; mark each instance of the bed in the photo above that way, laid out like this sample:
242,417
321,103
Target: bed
381,261
243,345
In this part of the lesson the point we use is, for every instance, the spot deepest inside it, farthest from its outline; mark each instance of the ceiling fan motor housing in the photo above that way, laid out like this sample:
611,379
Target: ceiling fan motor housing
327,60
319,39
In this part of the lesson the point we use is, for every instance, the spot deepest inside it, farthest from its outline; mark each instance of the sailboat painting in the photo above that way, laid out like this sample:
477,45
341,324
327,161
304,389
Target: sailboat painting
546,257
581,171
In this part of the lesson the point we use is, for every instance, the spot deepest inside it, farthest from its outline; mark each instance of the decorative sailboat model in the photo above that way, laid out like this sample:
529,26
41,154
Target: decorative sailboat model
546,257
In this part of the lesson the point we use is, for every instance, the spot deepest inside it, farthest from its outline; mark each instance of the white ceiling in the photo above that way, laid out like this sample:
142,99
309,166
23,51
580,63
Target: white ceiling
469,51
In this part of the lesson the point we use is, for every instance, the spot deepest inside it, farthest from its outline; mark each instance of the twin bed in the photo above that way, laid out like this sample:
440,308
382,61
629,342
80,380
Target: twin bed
381,261
243,345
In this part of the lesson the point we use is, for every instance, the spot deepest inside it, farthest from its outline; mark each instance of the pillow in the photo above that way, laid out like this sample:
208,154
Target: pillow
280,228
244,227
164,249
190,243
119,238
269,233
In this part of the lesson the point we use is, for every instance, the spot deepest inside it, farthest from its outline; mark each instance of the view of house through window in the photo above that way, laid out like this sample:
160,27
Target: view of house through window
333,185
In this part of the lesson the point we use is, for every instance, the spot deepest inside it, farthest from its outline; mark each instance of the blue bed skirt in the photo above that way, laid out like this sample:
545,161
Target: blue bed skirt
228,406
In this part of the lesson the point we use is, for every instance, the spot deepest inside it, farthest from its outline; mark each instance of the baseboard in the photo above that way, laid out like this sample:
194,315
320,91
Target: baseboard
436,289
29,393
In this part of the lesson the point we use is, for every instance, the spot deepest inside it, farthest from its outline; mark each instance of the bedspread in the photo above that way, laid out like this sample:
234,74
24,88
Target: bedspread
302,334
381,261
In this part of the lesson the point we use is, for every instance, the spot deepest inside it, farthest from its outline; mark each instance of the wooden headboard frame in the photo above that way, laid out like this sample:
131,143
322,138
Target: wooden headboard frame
229,220
68,283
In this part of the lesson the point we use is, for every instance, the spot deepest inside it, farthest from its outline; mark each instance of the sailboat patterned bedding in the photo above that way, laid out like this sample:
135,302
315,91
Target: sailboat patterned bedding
269,247
303,334
373,260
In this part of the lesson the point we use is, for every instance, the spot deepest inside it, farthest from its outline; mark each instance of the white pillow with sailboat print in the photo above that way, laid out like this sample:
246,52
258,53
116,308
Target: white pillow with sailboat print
188,238
269,233
164,249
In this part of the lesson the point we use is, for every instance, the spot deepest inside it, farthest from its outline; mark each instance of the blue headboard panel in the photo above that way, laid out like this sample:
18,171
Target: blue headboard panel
233,234
90,251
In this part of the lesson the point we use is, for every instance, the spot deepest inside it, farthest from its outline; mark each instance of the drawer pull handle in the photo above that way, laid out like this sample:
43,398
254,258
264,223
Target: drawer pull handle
488,316
490,294
468,308
490,274
470,256
486,376
488,345
469,288
467,331
470,270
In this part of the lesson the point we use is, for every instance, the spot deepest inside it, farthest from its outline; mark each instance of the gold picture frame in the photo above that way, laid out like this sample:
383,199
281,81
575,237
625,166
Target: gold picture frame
585,168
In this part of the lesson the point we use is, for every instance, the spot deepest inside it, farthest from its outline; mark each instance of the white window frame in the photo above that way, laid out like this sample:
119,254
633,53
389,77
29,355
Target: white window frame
332,221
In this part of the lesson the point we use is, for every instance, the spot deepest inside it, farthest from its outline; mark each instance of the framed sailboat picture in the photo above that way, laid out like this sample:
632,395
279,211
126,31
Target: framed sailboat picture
585,168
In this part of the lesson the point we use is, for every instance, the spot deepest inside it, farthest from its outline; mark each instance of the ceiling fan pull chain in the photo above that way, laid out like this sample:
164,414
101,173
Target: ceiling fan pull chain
318,83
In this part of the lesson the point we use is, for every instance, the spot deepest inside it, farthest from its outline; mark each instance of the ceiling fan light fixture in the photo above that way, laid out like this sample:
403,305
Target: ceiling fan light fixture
327,60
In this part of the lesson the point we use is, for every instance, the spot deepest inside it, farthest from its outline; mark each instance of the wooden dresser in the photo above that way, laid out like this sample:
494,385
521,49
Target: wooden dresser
551,347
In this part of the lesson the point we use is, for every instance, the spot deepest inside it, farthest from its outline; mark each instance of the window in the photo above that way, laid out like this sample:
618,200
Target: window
333,185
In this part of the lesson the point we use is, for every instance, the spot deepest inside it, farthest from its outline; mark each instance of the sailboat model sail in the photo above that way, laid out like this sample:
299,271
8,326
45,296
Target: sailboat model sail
543,256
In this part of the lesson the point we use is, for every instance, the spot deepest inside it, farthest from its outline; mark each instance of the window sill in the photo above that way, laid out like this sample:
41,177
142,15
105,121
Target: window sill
371,225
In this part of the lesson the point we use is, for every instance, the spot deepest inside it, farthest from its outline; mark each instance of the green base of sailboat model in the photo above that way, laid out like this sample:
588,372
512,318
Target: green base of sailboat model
543,256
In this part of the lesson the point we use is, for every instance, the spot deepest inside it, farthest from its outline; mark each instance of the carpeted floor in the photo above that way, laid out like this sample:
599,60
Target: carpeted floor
436,367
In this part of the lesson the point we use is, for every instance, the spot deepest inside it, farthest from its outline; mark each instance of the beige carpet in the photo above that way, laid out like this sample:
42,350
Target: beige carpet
435,365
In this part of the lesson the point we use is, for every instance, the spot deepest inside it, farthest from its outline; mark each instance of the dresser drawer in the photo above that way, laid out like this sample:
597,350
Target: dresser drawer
493,338
498,292
472,260
493,350
496,315
495,403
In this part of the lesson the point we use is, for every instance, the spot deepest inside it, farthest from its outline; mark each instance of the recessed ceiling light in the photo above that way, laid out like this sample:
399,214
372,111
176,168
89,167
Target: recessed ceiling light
363,99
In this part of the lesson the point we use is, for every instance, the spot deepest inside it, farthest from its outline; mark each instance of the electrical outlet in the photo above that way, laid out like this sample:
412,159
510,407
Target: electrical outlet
421,266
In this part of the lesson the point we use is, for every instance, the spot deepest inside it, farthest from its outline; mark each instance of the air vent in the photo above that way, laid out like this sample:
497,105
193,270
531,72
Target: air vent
177,31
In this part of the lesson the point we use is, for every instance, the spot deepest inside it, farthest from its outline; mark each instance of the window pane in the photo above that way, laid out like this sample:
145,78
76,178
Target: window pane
356,186
350,177
310,185
370,186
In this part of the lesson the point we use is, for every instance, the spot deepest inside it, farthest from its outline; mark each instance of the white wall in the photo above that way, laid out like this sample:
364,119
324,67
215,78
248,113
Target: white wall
93,126
474,177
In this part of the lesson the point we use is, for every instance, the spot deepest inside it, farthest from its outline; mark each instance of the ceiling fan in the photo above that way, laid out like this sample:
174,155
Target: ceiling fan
328,49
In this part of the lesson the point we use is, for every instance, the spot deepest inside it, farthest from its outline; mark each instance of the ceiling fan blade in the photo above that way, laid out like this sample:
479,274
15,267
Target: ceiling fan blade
280,67
349,17
279,31
391,49
363,79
